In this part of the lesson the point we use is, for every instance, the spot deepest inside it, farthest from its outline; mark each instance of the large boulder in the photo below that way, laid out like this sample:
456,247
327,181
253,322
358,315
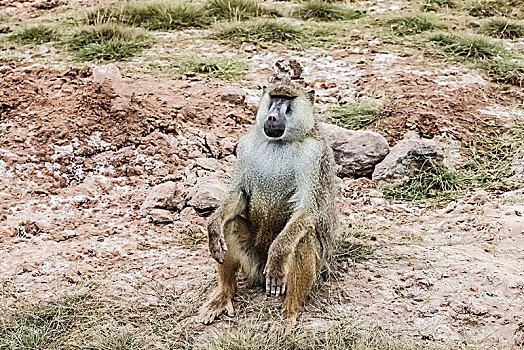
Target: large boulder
206,194
399,164
167,196
356,152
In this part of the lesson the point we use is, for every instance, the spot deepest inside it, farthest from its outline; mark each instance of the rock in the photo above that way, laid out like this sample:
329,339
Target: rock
356,152
107,73
399,164
160,216
165,196
206,194
120,104
234,95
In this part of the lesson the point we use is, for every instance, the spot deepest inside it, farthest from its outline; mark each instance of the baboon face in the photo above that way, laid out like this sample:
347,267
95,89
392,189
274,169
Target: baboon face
279,112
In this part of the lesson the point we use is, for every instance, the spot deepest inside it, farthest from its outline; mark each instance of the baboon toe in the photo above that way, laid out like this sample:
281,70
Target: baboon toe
289,324
214,309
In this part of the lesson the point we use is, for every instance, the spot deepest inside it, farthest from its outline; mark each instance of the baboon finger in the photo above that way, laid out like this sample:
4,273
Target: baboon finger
223,245
274,289
283,289
268,286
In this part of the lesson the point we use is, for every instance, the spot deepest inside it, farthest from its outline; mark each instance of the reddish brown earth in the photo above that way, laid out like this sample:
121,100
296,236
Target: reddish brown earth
78,158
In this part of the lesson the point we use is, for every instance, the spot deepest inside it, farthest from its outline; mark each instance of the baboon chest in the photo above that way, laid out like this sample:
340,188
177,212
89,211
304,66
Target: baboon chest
273,183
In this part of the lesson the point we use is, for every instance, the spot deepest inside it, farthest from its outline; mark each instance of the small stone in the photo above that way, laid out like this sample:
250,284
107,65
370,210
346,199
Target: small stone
233,95
160,216
206,194
107,73
163,196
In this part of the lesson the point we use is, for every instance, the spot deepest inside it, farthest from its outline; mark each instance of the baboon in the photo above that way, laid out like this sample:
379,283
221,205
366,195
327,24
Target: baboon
278,219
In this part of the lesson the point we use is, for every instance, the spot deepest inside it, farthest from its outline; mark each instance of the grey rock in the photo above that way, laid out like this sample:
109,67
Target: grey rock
399,164
206,194
233,94
165,196
356,152
160,216
107,73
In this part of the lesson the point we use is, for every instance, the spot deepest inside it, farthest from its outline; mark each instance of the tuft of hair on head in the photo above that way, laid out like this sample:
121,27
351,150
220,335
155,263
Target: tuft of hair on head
287,79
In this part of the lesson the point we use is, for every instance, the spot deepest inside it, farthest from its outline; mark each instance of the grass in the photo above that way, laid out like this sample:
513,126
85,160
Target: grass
470,46
107,42
503,28
233,9
350,246
438,5
355,116
44,325
218,67
489,165
338,331
413,24
485,53
491,8
34,35
153,15
319,10
114,340
260,31
430,181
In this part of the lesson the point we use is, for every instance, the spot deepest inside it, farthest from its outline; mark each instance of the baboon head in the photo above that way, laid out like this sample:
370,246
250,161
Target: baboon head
286,112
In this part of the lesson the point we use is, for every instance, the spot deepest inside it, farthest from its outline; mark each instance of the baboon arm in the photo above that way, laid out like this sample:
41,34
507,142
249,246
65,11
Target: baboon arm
281,250
234,204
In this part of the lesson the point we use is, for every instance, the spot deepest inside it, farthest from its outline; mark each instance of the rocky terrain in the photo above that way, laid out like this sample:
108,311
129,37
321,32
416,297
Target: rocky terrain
108,174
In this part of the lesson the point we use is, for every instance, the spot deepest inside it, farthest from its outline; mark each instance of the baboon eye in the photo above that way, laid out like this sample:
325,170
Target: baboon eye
288,108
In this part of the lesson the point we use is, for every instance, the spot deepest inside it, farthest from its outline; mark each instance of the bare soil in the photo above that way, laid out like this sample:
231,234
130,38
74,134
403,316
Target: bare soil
77,159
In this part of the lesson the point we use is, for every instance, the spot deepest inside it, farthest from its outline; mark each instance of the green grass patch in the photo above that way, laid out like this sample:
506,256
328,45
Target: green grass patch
260,31
430,181
484,53
320,10
413,24
113,340
34,35
503,28
438,5
350,245
219,67
470,46
492,8
107,42
153,15
355,116
233,9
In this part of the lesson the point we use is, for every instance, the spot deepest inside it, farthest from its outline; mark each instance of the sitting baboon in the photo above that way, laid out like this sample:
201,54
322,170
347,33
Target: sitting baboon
278,218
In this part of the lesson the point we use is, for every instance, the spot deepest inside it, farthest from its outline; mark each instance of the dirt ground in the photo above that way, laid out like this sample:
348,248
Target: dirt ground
78,158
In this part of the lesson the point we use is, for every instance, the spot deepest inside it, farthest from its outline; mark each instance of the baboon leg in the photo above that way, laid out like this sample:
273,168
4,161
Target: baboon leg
302,275
222,298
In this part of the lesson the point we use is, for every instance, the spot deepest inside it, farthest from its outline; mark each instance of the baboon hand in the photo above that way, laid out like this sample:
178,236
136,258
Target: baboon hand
217,243
276,276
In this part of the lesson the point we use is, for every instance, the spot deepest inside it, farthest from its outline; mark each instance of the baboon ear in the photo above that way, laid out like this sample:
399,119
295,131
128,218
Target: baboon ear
311,95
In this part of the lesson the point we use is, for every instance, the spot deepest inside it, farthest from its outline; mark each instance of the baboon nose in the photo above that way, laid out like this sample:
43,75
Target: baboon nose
272,118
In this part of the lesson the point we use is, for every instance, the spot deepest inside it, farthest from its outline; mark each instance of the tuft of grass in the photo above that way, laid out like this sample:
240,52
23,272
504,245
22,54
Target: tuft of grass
470,46
34,35
107,42
320,10
355,116
219,67
350,246
438,5
430,181
233,9
503,28
114,340
43,325
485,53
337,331
492,8
153,15
260,31
414,24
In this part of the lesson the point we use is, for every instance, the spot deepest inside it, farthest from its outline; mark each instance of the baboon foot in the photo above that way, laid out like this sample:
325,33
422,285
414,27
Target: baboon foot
289,324
215,307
